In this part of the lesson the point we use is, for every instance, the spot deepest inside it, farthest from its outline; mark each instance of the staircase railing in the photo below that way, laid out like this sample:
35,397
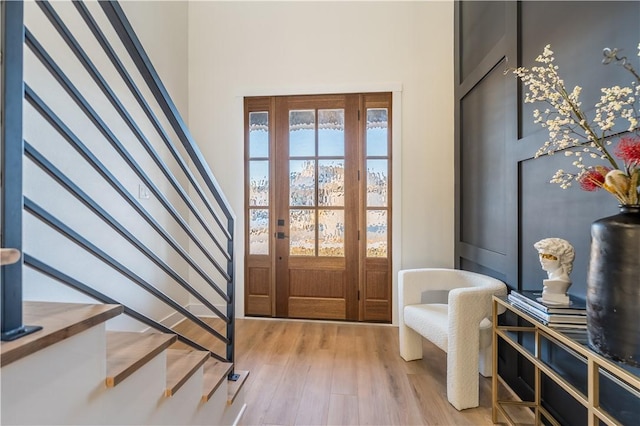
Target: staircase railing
99,124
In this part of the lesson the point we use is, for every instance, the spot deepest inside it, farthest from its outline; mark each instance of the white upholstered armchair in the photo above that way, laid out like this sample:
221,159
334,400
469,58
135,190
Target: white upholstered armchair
452,309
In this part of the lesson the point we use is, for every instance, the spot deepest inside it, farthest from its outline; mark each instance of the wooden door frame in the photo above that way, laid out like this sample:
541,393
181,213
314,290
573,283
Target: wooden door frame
355,311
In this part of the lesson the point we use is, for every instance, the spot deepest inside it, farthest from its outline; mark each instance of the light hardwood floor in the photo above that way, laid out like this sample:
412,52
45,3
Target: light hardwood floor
316,373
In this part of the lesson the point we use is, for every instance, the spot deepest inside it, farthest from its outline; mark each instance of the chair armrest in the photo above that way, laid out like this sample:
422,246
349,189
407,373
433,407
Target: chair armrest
474,303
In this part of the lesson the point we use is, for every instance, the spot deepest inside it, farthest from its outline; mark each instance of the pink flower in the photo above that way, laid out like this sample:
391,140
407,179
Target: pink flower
593,178
629,150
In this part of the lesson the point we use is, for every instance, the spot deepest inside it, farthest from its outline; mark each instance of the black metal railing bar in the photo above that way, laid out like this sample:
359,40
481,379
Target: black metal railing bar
75,237
126,77
12,326
119,147
63,278
72,188
127,35
131,42
83,57
198,174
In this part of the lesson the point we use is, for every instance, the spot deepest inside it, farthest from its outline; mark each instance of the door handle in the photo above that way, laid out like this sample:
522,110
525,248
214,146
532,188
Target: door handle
281,235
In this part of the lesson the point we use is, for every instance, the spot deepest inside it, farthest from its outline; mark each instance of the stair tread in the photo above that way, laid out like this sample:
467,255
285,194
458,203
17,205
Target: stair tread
181,364
235,386
59,321
128,351
215,373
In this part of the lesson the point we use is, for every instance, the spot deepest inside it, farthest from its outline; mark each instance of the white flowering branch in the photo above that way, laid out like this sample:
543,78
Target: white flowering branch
570,129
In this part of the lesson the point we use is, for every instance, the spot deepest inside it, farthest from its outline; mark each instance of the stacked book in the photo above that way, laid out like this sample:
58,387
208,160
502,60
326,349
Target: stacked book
570,316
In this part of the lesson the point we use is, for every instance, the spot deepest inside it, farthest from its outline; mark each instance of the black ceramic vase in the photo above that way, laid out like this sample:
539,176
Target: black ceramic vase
613,286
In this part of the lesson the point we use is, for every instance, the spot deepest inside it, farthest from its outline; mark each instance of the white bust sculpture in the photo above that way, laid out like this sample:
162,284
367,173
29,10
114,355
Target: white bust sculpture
556,257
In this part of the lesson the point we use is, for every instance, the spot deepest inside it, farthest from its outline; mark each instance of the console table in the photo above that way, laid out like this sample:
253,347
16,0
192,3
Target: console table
598,369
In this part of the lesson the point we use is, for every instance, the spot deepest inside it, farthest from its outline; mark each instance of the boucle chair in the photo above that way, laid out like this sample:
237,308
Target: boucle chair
451,308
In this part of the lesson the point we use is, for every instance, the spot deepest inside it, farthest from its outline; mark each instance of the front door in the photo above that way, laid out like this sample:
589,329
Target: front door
317,207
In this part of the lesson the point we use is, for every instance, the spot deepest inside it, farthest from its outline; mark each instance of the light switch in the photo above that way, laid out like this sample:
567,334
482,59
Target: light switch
143,192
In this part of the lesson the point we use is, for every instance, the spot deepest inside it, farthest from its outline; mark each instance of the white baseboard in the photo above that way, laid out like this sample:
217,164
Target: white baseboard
172,319
237,419
198,309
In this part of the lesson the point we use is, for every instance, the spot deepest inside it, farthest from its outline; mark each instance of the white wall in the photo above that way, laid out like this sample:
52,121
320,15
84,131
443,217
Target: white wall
239,49
162,29
165,38
211,54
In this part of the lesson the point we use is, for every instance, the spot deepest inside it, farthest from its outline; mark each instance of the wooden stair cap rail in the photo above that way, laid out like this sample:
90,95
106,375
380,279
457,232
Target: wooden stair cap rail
128,351
9,256
59,321
215,373
182,364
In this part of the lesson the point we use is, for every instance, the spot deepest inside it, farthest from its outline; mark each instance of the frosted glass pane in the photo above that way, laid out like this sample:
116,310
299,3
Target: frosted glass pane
258,183
258,231
258,134
331,183
377,132
302,181
302,133
376,233
331,233
302,233
377,183
331,132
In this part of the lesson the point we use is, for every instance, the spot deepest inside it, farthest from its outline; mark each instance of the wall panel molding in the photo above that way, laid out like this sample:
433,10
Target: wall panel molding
504,201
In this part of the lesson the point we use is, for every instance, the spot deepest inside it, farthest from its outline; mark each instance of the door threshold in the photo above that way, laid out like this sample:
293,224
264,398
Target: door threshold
317,321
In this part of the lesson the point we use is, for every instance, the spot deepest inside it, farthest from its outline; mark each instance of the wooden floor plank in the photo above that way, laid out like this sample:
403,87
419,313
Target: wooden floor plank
267,377
344,380
372,393
398,393
281,344
364,379
343,410
314,401
431,401
284,407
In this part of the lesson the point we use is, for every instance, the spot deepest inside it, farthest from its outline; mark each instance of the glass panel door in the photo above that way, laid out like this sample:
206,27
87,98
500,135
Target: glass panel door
312,280
318,207
376,276
258,216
